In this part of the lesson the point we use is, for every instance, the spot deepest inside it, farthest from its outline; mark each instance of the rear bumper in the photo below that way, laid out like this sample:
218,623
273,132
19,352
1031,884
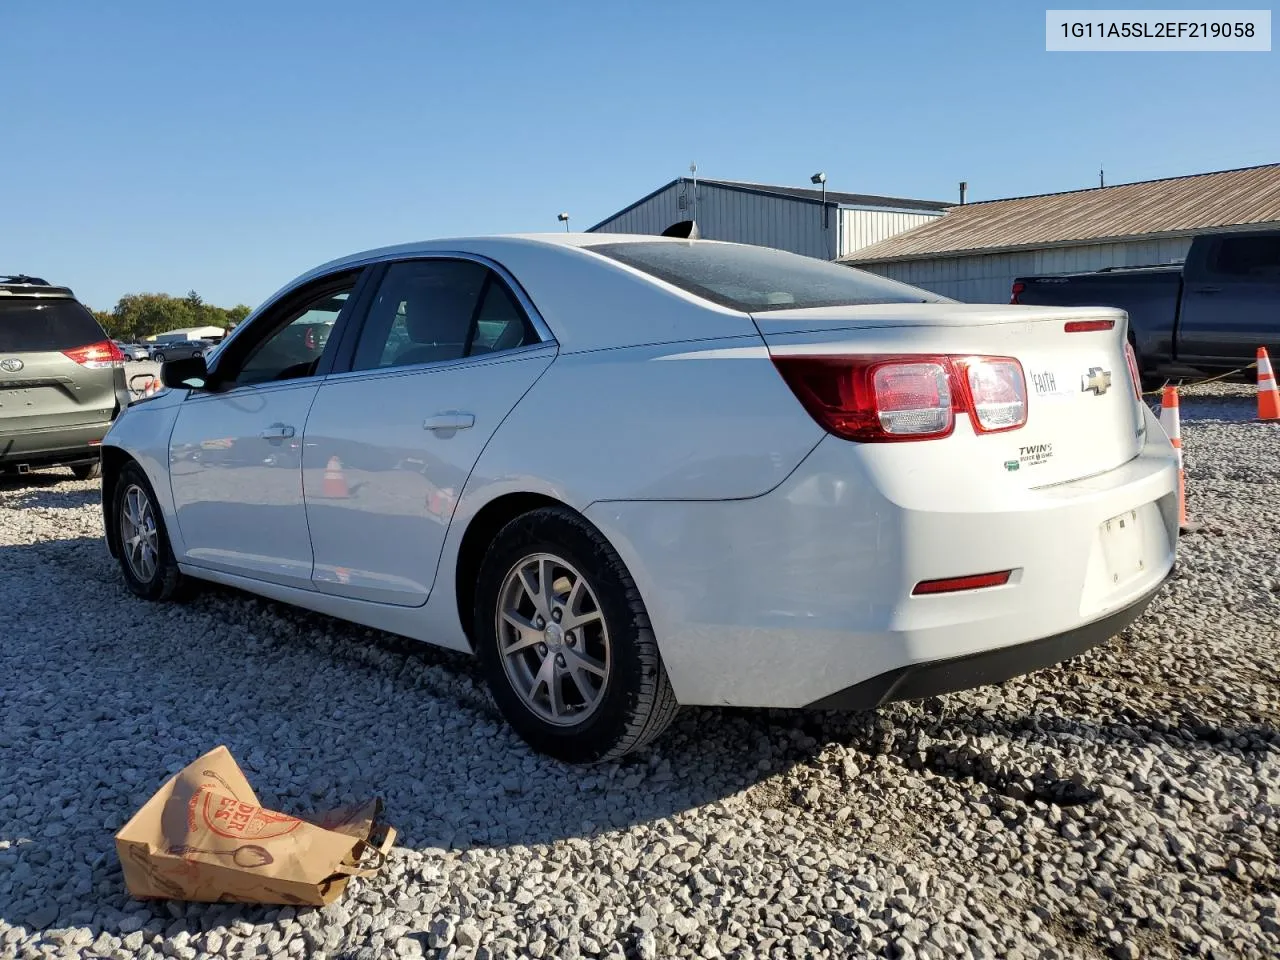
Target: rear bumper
52,445
800,595
931,679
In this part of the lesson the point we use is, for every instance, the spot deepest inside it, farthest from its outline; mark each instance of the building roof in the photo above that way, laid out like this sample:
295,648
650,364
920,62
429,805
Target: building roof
803,194
1169,207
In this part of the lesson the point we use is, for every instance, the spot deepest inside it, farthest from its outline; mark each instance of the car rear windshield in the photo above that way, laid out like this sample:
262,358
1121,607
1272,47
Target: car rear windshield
33,325
758,279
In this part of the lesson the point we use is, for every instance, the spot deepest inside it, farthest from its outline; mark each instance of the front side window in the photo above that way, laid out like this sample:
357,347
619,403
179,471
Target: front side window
432,311
295,348
758,279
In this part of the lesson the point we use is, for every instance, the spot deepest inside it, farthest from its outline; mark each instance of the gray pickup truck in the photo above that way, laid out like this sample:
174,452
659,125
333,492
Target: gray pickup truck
1207,314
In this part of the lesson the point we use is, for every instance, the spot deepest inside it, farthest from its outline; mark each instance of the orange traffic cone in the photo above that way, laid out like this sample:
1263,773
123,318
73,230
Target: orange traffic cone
1268,394
335,484
1172,425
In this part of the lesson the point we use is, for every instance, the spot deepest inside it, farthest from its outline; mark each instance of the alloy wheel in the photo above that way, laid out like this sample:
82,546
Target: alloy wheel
139,537
552,639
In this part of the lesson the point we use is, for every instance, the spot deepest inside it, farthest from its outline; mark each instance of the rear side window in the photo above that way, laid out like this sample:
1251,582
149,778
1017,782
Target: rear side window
36,325
1257,257
433,311
758,279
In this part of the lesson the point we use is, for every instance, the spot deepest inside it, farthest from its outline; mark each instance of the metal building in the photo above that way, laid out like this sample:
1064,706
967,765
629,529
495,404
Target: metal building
809,222
975,251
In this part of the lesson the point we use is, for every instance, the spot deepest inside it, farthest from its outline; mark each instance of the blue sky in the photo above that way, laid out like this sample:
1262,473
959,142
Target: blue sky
226,147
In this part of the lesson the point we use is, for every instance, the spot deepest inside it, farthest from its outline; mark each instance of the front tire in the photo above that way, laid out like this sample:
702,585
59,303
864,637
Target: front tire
146,558
565,641
158,357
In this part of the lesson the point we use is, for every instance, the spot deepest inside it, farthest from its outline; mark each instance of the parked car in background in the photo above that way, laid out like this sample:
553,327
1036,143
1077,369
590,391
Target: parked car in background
179,350
635,472
1208,314
61,379
133,351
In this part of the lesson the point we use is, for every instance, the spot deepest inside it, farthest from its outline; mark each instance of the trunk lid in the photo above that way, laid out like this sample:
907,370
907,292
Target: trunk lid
1082,416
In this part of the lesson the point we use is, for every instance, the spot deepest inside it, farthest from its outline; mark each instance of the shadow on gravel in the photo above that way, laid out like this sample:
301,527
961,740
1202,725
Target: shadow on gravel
41,479
99,710
58,499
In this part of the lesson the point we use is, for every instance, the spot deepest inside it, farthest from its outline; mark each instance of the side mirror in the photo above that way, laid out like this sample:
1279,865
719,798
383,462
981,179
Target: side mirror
189,373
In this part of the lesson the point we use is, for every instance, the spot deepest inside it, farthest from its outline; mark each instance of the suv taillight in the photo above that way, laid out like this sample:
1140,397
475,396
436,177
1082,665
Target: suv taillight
96,355
889,398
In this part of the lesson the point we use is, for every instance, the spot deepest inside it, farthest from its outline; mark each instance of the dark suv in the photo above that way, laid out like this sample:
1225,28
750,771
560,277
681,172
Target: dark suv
61,379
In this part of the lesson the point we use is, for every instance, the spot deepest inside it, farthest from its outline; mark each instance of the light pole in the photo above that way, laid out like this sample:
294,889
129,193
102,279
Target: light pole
564,218
821,178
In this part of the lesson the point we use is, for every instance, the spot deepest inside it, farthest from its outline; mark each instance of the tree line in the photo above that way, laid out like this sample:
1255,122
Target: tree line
139,315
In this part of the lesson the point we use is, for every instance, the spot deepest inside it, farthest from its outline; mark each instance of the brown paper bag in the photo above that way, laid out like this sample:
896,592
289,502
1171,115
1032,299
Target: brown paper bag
204,836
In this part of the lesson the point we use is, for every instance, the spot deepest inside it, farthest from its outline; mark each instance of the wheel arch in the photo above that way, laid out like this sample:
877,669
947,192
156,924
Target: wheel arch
480,533
113,461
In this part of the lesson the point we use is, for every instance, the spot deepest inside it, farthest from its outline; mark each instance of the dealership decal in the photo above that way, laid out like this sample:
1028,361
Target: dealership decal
1034,454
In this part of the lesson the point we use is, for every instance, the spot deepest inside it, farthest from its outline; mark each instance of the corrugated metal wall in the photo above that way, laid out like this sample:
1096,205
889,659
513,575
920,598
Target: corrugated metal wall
987,278
861,228
737,216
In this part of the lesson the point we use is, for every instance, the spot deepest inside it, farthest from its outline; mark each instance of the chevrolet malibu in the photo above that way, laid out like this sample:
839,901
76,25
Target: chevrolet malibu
634,472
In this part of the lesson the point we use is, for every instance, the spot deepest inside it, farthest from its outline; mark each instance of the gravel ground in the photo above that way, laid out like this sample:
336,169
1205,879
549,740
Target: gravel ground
1123,805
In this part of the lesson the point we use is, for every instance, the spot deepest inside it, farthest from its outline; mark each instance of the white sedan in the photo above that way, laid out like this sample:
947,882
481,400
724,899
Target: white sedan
631,472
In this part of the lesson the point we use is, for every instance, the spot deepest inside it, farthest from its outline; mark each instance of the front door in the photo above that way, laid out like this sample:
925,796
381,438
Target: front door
236,451
445,353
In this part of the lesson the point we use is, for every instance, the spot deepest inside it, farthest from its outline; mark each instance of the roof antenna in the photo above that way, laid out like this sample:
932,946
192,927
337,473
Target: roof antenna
1102,180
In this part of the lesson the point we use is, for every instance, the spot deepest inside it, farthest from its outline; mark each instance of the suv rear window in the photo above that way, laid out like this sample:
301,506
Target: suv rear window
32,325
758,279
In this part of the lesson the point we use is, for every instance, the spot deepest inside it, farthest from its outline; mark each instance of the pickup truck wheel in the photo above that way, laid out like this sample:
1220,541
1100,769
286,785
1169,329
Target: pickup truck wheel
87,471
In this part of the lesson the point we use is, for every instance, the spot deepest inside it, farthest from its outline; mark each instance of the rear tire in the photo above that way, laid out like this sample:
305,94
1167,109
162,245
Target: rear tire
595,646
87,471
146,558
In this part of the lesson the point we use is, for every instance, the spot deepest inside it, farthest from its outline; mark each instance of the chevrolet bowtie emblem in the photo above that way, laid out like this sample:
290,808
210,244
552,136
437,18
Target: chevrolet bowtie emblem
1096,380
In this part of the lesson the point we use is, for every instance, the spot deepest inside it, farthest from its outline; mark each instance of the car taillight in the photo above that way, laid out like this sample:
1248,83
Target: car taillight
913,399
1135,377
1017,292
96,355
997,398
886,398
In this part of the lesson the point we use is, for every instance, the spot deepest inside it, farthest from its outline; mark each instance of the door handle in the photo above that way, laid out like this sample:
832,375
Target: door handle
449,422
277,431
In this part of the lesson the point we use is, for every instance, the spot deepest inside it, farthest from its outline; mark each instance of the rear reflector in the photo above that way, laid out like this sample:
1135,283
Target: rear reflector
1084,326
954,584
1131,358
96,355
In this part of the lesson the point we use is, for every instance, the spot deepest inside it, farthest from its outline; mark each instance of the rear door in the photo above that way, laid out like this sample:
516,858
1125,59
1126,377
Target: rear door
235,455
1231,301
446,351
56,371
